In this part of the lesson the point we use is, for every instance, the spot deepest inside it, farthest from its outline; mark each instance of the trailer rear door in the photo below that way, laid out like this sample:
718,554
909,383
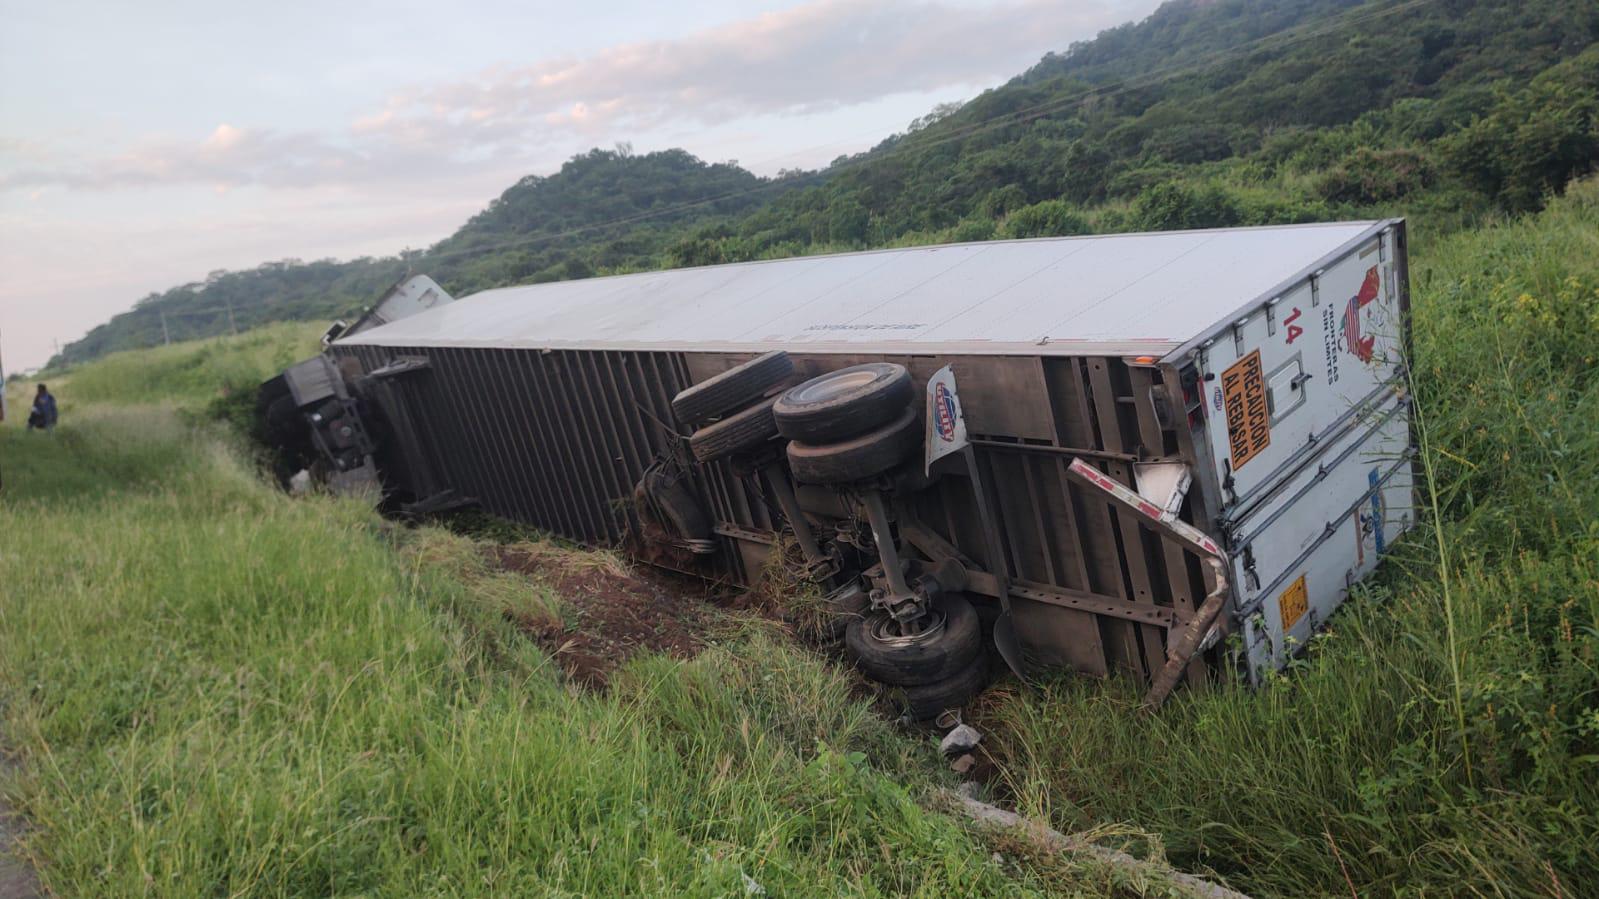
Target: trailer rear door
1308,430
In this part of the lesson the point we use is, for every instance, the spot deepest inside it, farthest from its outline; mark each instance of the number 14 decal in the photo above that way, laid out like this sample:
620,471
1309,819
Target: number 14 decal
1293,330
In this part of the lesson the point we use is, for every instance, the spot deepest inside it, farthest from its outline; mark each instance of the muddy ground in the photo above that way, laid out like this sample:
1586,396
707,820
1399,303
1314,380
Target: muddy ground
614,611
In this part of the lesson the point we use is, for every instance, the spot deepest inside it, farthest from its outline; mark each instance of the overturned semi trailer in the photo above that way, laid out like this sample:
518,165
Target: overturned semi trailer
1106,452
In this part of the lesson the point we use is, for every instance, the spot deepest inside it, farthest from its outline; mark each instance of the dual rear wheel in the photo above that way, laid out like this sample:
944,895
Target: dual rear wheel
849,425
933,664
845,427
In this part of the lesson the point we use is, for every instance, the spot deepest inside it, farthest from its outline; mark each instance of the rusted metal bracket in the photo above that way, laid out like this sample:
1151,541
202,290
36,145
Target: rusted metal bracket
958,572
1182,649
728,529
1143,613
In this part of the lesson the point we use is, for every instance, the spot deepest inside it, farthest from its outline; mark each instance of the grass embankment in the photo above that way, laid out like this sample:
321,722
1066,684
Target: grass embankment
215,689
1443,737
218,690
192,372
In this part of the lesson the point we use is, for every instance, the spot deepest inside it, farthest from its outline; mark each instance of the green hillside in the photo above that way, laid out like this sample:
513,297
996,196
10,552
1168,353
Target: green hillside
1204,114
1336,112
605,210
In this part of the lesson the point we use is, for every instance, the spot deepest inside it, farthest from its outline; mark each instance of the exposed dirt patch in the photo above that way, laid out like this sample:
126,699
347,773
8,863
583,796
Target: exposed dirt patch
611,611
17,880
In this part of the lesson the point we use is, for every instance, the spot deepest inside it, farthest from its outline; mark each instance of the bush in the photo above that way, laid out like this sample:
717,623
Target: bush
1085,172
1174,205
1051,218
1001,201
972,230
1369,176
1534,140
1190,143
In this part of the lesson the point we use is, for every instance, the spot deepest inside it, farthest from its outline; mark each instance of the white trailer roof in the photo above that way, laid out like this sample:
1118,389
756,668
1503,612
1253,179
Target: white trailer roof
1114,293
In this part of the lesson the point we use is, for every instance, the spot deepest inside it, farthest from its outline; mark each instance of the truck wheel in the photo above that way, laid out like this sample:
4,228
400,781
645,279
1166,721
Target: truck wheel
843,404
731,389
283,420
943,651
857,459
736,433
927,701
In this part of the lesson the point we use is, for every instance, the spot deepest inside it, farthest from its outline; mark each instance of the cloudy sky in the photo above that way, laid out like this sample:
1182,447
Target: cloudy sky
145,144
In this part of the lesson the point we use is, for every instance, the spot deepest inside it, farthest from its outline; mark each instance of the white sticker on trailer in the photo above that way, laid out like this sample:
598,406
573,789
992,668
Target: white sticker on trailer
946,421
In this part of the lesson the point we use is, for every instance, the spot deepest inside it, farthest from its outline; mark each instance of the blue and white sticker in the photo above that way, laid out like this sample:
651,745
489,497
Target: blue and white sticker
946,421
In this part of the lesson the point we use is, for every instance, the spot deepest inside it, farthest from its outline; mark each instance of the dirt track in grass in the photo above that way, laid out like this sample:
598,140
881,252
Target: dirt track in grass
615,611
17,880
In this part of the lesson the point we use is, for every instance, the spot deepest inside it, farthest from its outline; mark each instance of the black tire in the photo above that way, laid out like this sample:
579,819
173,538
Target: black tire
939,657
284,425
732,389
857,459
928,701
843,404
736,433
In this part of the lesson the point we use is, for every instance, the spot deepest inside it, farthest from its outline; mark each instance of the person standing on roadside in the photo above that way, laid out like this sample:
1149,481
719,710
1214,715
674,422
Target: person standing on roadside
44,413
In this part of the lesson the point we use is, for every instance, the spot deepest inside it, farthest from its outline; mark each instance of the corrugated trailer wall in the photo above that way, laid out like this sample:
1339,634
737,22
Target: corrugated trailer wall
558,439
553,439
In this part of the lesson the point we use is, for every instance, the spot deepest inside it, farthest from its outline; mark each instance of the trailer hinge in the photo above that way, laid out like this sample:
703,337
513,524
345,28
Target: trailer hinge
1238,336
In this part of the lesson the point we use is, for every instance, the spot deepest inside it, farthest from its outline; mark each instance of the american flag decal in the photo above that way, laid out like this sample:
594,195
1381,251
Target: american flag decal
1353,341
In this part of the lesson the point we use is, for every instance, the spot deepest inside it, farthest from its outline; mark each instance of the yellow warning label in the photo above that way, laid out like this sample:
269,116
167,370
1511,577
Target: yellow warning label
1243,390
1293,603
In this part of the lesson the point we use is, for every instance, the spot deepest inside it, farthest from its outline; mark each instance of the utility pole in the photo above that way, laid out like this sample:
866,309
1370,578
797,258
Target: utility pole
166,339
232,326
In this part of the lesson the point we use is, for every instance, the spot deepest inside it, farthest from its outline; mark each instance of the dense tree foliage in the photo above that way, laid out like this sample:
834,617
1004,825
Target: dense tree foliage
228,301
1207,113
603,211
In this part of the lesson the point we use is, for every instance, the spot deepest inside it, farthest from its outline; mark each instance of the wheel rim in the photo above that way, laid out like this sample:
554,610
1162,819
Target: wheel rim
827,387
884,629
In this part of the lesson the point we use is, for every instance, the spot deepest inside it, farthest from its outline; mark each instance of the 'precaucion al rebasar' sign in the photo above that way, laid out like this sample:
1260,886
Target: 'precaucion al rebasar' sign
1243,389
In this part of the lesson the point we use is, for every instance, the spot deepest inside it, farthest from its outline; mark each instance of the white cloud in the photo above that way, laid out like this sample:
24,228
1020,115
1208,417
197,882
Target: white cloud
812,58
226,136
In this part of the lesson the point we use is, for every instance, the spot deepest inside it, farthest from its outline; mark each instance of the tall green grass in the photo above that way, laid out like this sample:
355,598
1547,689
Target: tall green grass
194,371
1443,736
217,690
